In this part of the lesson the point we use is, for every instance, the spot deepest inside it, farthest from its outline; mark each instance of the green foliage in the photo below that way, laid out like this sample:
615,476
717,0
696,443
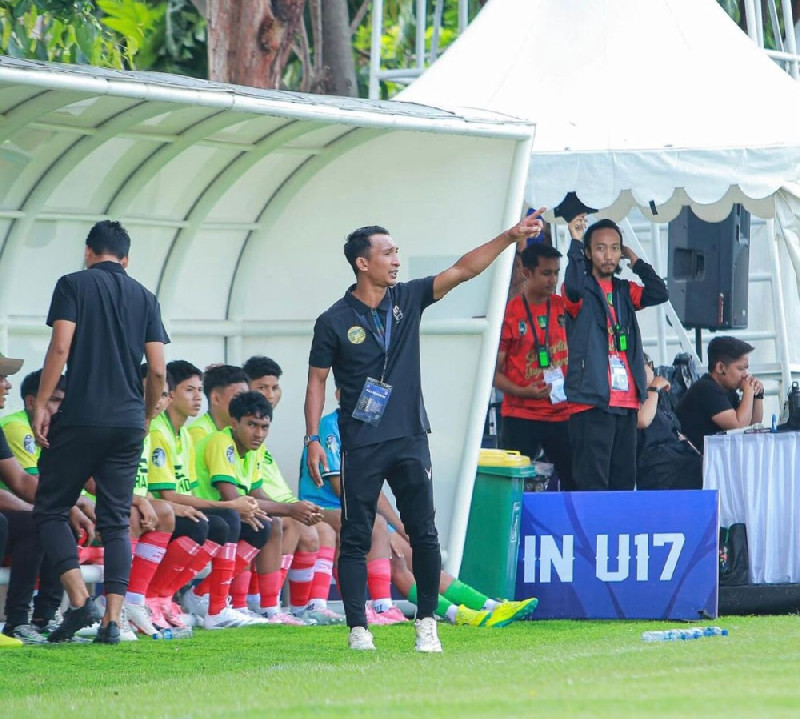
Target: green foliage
57,31
136,23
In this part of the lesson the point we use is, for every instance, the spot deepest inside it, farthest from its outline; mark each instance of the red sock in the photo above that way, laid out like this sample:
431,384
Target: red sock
286,562
179,555
379,579
239,587
150,551
219,581
207,552
323,568
245,553
252,590
269,587
300,575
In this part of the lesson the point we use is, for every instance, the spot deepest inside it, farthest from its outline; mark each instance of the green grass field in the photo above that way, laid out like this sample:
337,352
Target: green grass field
552,669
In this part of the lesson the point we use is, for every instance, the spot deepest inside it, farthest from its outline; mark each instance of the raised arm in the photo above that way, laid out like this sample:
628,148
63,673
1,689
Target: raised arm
477,260
655,290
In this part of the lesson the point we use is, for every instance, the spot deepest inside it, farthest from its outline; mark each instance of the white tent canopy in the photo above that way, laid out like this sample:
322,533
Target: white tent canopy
238,202
665,101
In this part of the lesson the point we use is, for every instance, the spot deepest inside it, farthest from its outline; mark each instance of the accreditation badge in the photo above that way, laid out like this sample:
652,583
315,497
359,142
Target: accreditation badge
372,402
555,378
619,377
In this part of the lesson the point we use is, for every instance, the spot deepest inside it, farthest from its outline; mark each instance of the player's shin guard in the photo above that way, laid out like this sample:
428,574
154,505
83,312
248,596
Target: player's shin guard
379,583
178,557
219,581
150,551
301,574
321,583
269,587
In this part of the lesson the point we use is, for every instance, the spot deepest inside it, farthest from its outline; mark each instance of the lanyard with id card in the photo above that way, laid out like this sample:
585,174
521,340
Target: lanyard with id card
375,394
542,351
617,330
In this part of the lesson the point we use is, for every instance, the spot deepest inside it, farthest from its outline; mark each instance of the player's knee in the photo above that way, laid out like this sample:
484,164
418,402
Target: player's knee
326,534
309,539
198,532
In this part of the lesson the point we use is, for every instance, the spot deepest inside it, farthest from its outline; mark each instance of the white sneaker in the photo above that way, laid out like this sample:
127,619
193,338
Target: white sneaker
427,639
138,616
193,604
226,619
126,633
251,618
360,639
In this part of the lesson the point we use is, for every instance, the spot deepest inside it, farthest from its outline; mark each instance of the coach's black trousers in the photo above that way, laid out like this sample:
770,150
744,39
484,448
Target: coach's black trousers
526,436
405,463
603,449
111,456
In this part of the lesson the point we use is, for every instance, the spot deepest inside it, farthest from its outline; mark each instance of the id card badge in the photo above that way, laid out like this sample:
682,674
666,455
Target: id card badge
619,377
372,402
555,378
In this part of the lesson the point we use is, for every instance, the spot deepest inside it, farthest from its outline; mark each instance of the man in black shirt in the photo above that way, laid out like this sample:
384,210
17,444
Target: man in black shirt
370,338
103,323
712,404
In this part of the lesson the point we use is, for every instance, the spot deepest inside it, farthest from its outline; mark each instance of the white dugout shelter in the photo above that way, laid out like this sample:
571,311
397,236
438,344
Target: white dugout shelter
238,202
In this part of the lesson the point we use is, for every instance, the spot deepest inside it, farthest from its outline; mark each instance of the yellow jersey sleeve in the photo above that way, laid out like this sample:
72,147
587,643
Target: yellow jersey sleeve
23,446
220,460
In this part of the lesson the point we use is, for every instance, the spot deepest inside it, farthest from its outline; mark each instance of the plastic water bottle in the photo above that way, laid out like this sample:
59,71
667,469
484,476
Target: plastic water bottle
669,635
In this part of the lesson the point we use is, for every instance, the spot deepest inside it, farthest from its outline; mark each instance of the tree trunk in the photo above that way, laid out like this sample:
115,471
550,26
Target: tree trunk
249,41
337,49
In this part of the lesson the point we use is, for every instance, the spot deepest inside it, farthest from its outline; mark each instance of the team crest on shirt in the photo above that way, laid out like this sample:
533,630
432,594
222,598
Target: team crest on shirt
398,313
356,335
562,320
159,457
229,454
332,443
29,444
522,328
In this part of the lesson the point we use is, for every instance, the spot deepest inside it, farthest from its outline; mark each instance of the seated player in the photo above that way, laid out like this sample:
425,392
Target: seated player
227,465
220,384
458,602
18,489
308,545
712,404
19,434
665,459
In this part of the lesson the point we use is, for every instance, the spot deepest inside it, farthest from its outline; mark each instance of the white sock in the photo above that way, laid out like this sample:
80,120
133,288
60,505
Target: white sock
490,605
381,605
133,598
270,611
296,611
450,615
316,605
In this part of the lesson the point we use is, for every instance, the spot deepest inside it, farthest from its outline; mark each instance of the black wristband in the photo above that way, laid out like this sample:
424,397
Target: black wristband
654,389
760,395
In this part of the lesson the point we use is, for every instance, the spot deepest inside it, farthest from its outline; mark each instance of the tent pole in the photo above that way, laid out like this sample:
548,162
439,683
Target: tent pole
669,310
463,15
781,336
375,50
422,22
655,234
791,45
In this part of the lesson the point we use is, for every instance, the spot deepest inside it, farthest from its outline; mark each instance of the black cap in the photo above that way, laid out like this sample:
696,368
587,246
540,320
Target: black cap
570,207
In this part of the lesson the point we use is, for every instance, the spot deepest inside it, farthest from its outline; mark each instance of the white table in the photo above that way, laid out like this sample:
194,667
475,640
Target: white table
758,478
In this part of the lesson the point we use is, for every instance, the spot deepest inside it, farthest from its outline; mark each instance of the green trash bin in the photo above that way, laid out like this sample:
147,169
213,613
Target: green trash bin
490,550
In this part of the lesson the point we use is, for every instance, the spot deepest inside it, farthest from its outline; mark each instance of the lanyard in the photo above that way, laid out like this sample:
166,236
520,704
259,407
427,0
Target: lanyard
382,338
546,328
616,328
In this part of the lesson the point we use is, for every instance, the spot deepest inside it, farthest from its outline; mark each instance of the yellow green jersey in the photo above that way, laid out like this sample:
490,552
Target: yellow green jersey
140,487
217,460
171,458
19,433
202,427
272,481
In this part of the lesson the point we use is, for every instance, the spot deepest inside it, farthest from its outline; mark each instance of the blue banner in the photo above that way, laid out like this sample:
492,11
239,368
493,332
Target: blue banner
620,555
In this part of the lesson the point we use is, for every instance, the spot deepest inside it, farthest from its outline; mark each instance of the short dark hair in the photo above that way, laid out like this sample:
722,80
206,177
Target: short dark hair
260,366
726,349
181,370
30,385
358,243
250,404
531,255
221,376
108,237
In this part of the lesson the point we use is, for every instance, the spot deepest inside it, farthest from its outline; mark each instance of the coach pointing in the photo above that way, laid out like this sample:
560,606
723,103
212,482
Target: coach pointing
370,338
103,323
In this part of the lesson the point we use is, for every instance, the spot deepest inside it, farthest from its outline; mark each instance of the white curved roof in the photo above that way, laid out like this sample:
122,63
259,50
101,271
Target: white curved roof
664,100
238,201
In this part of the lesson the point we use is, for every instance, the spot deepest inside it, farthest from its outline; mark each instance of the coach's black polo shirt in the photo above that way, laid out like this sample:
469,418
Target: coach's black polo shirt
114,317
344,341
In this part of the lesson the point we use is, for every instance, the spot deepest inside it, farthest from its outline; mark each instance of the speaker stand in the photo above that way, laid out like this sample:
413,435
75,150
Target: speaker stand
698,342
